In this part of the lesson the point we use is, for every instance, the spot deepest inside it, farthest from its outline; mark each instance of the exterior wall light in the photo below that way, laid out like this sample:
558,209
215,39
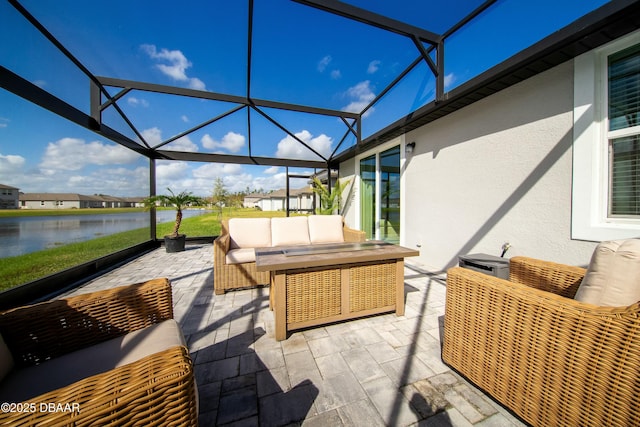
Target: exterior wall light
410,147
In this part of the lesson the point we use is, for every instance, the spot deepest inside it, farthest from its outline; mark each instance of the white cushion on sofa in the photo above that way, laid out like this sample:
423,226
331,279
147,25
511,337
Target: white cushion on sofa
290,231
240,256
613,276
26,383
325,229
250,232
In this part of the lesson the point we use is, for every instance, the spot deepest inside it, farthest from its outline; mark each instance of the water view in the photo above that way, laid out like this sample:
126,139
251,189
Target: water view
22,235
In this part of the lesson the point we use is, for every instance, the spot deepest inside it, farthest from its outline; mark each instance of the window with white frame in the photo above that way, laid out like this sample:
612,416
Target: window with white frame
606,150
623,133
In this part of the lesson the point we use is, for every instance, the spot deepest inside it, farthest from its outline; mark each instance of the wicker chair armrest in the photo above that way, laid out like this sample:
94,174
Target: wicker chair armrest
47,330
551,359
548,276
352,235
157,390
222,243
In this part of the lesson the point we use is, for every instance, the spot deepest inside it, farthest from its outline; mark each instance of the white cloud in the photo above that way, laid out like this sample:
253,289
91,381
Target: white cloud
74,154
185,118
290,148
324,62
196,83
182,144
449,79
153,136
272,170
217,170
10,167
4,122
373,66
232,142
176,67
336,74
135,102
115,181
166,172
361,96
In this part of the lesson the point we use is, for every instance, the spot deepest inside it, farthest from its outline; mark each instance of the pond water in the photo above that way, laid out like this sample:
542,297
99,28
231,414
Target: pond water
22,235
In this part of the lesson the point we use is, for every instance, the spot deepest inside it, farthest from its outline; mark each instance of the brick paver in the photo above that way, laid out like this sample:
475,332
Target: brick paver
376,371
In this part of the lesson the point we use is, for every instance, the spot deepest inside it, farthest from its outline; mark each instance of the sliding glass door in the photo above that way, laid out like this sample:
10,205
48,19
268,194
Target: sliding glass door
380,195
368,196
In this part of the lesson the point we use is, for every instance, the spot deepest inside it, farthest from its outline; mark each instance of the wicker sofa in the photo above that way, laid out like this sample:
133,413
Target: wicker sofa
113,357
551,359
233,250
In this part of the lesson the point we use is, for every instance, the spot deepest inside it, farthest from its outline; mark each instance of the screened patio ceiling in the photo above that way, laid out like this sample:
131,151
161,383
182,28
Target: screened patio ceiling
256,72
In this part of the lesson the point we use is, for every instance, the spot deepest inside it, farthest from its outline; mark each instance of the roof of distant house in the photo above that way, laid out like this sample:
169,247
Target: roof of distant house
76,197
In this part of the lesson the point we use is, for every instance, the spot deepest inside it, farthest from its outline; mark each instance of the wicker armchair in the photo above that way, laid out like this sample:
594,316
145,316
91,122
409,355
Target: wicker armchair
157,390
550,359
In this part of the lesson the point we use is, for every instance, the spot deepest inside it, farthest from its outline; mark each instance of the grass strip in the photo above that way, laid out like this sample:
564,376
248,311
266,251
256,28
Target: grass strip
25,268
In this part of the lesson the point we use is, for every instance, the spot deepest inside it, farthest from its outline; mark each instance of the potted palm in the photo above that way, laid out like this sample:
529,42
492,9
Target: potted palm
175,241
330,201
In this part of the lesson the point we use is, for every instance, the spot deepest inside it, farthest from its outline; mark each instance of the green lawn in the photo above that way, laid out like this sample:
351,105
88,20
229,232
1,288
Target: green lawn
25,268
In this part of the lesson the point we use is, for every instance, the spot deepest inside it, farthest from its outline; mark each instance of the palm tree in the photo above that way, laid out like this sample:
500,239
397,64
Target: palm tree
178,201
330,201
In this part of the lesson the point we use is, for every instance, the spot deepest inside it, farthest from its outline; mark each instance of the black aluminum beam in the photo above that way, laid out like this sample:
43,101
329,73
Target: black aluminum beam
32,93
367,17
202,94
607,23
288,132
200,126
242,160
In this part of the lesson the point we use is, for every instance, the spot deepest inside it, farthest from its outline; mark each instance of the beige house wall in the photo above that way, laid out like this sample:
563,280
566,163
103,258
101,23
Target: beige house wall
499,170
50,204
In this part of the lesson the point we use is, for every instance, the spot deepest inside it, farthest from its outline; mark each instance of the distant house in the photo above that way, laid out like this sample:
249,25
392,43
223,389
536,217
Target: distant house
8,197
76,201
300,200
58,201
251,200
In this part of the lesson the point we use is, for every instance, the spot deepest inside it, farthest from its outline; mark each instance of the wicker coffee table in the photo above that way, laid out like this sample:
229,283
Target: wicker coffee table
324,283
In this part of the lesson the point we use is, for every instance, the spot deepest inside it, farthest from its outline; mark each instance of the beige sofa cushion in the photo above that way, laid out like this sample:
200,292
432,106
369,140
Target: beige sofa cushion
290,231
240,256
6,359
613,276
325,229
23,384
250,232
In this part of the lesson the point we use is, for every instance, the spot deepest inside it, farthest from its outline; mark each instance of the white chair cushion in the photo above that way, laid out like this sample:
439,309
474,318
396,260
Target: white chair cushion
6,359
325,229
290,231
250,232
240,256
613,276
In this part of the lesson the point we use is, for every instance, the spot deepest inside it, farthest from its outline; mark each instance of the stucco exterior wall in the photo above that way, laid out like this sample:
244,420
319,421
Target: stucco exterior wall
496,171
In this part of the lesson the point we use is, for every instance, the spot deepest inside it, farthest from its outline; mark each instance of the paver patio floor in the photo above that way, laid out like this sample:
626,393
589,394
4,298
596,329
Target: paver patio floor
380,370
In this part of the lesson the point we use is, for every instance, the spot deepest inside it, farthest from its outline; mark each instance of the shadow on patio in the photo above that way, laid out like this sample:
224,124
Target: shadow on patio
380,370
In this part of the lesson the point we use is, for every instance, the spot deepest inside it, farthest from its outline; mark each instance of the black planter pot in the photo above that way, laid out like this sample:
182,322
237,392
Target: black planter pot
175,244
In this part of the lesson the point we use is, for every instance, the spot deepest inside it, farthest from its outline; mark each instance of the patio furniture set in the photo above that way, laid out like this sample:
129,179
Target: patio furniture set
320,271
555,344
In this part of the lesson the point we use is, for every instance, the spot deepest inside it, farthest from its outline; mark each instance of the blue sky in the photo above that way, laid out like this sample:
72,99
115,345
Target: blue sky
300,56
